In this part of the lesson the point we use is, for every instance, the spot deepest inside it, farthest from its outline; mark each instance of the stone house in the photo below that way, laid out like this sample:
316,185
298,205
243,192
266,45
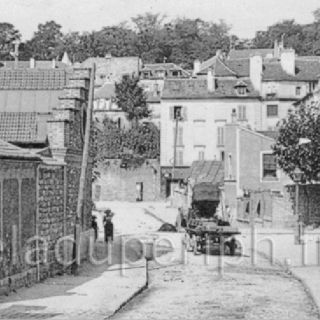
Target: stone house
205,105
42,113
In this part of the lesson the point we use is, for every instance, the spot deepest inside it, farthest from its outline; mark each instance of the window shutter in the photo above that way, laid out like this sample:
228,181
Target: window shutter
171,113
220,136
184,114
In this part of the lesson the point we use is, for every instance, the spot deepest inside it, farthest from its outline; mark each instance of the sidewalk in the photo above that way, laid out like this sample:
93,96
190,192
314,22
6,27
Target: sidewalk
96,293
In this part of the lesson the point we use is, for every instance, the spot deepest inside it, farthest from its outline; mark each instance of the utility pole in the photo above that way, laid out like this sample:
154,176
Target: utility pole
82,184
177,116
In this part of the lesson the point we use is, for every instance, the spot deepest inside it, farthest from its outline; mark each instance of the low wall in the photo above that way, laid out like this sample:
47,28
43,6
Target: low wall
120,184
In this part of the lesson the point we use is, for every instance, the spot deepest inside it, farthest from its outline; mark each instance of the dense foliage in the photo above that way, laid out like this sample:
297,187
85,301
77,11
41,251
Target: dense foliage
133,146
131,98
305,123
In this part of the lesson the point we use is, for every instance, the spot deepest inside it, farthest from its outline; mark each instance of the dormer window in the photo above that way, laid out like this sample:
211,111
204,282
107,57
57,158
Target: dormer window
241,90
176,73
160,73
298,91
146,74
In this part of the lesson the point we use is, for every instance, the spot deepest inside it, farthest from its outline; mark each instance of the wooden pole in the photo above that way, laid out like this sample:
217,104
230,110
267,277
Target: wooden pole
85,156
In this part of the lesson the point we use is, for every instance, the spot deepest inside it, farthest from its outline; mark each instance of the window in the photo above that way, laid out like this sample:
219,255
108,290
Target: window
179,158
312,86
298,91
119,123
272,110
269,166
146,74
241,90
175,73
201,155
177,112
220,136
242,113
222,155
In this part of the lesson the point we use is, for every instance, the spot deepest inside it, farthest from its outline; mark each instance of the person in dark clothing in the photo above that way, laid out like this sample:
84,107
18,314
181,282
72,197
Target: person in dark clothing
108,226
94,226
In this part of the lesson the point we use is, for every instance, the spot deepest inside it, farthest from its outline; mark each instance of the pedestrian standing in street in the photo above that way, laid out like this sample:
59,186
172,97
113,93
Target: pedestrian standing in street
94,226
108,225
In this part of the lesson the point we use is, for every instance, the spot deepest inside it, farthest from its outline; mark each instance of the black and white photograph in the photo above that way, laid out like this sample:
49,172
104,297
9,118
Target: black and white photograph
159,159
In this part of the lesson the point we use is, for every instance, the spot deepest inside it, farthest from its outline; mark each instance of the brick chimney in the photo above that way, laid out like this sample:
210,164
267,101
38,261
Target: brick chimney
32,63
211,80
256,71
196,66
287,59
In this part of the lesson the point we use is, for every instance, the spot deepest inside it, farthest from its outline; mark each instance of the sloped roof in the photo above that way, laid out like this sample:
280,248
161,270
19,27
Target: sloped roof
9,151
32,79
207,64
23,127
39,64
107,91
153,67
271,134
246,53
205,178
305,70
206,172
197,89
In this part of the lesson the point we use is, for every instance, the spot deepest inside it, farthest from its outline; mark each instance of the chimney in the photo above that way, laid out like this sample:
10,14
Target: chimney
211,80
196,66
256,71
276,49
234,116
218,54
32,63
53,63
287,59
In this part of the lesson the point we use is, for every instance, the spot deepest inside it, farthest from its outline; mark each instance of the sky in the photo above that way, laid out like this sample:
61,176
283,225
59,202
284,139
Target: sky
245,16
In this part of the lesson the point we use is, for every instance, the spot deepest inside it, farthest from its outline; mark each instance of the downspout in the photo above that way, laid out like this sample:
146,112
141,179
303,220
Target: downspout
37,222
84,164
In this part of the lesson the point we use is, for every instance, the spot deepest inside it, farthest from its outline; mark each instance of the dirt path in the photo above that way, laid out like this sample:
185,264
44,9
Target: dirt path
196,291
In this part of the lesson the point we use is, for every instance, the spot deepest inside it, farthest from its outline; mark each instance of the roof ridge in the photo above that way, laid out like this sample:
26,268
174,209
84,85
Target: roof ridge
226,66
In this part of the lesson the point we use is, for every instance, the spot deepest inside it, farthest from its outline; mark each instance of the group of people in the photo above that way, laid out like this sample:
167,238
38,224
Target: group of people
107,225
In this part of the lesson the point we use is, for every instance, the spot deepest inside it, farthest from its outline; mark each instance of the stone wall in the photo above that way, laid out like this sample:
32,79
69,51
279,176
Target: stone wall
120,184
266,209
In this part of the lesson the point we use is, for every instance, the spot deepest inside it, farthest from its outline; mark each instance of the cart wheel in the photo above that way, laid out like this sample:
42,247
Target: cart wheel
194,244
232,246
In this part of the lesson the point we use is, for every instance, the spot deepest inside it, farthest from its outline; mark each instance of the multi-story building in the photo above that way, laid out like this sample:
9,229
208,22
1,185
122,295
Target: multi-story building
205,105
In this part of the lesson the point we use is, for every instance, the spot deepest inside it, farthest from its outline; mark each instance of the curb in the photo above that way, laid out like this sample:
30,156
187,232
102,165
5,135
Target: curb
124,303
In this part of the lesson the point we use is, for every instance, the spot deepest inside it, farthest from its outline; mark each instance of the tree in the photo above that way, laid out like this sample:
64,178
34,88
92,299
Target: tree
8,34
45,43
131,98
305,123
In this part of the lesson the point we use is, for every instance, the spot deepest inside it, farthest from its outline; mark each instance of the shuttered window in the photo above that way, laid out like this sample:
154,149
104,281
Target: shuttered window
242,112
269,164
220,136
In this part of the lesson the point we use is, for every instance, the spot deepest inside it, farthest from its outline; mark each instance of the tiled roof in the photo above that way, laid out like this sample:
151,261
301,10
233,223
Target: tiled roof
305,70
207,64
206,171
23,127
39,64
228,68
197,89
246,53
32,79
107,91
153,67
9,151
